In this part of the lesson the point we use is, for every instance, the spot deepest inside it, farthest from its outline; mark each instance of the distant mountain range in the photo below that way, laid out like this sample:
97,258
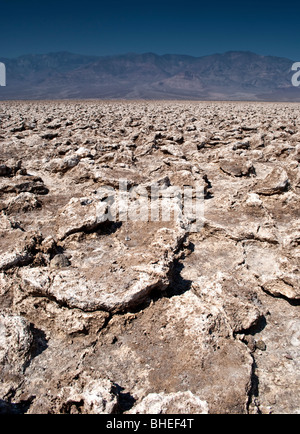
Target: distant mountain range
228,76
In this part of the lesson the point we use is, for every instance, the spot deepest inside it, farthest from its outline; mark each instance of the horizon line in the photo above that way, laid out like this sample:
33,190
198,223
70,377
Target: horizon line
145,53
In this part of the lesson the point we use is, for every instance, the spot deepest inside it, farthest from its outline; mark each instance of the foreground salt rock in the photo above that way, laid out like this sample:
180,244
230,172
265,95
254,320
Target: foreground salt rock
73,289
172,403
95,397
85,396
18,247
105,310
111,286
275,182
15,346
79,215
23,183
23,202
175,339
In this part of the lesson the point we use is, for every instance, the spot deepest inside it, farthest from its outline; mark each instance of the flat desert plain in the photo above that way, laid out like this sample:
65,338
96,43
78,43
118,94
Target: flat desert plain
135,314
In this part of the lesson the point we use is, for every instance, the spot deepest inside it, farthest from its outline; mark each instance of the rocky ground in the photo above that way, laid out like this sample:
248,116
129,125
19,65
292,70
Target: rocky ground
99,316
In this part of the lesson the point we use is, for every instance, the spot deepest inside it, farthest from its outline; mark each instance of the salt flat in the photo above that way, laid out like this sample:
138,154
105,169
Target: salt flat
141,315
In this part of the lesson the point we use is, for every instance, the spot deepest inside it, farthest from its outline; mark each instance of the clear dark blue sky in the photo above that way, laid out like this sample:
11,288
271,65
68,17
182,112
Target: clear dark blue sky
167,26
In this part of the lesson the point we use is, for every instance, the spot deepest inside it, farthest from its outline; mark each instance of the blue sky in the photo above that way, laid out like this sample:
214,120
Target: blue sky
183,27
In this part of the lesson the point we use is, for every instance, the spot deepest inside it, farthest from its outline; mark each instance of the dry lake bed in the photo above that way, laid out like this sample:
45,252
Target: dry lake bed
106,308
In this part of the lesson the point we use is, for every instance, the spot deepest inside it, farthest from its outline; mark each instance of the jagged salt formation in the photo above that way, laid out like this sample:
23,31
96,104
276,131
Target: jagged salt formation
159,316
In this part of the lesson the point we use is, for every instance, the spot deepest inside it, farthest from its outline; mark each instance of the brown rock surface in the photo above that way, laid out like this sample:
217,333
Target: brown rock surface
106,315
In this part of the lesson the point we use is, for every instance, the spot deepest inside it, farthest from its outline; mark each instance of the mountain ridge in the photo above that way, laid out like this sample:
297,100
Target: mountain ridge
234,75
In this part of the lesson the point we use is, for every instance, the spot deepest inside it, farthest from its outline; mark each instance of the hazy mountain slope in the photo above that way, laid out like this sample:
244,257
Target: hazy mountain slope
233,75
